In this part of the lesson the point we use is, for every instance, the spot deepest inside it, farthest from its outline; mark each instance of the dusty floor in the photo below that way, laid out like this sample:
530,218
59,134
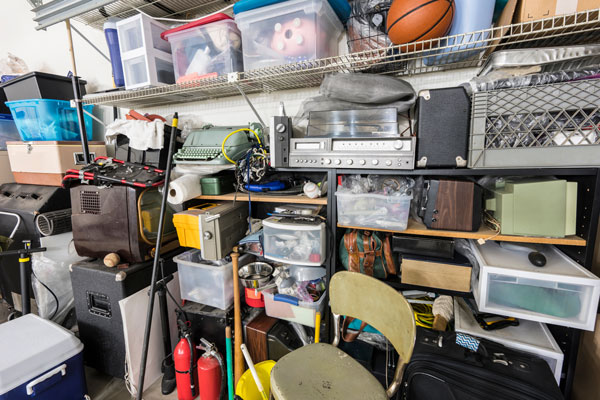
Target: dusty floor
104,387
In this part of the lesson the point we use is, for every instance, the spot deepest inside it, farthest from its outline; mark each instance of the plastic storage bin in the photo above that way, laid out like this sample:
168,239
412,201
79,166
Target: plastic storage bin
8,130
288,32
536,126
45,119
373,211
40,85
40,360
295,241
146,57
529,336
207,282
302,312
562,292
208,47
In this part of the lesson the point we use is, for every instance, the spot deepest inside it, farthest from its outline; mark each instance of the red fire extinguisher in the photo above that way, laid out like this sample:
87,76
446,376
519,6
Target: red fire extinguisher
211,372
184,358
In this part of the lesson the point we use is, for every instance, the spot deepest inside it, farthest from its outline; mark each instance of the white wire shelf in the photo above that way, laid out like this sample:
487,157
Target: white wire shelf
454,52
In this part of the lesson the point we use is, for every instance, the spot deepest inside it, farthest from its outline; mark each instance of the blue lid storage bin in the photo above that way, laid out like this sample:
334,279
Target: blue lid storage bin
47,119
8,130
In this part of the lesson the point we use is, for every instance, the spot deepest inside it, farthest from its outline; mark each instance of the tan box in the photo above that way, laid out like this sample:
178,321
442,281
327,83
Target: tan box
440,274
531,10
6,175
45,162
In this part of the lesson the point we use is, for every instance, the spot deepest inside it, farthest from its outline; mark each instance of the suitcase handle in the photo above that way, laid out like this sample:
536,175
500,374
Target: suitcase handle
62,369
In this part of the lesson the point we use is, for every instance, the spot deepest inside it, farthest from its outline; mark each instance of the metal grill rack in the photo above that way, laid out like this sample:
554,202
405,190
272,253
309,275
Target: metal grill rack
454,52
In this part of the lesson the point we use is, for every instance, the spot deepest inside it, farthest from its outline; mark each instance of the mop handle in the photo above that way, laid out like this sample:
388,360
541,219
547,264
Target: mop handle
253,371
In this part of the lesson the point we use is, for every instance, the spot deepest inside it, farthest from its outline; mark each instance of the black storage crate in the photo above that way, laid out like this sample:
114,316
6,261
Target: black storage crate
40,85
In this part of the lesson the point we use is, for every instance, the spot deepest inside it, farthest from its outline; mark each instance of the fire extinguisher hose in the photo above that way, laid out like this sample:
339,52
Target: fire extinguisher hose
192,364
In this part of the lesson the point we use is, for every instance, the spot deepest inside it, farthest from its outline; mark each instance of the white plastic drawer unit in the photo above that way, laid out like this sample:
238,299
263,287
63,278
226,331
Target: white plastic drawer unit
295,241
561,292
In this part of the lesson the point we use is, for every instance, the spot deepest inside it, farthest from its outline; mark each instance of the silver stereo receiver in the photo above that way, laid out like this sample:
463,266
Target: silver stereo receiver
355,139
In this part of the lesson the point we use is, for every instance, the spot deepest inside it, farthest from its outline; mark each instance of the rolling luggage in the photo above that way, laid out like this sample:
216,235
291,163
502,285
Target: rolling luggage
441,369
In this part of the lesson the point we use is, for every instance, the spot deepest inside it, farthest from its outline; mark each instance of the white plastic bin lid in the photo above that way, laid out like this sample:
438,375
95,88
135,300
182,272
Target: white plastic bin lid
30,346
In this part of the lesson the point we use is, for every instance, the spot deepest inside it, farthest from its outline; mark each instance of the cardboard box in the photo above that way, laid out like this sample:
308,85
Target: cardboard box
437,273
531,10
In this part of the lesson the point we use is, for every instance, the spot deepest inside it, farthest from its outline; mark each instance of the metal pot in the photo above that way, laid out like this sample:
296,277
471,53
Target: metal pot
255,275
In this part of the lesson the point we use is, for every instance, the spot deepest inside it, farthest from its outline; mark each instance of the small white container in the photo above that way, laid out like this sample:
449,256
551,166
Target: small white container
529,336
561,292
373,211
145,56
294,241
207,282
208,47
288,32
304,313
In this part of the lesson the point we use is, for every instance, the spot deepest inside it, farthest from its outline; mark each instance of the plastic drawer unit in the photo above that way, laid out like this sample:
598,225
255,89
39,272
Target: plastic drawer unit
295,240
561,292
145,56
292,309
287,32
373,211
207,282
47,369
208,47
529,336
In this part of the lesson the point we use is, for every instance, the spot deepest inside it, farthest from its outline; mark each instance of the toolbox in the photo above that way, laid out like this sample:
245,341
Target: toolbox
45,162
217,184
97,290
47,369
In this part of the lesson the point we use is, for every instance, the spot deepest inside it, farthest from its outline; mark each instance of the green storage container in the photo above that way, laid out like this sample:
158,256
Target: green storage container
217,184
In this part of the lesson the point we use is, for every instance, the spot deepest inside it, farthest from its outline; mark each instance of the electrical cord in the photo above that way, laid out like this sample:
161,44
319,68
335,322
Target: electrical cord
162,271
234,132
51,292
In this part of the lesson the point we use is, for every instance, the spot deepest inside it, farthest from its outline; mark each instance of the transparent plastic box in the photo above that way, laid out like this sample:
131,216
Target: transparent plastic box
8,130
373,211
299,242
303,313
201,51
207,282
561,292
288,32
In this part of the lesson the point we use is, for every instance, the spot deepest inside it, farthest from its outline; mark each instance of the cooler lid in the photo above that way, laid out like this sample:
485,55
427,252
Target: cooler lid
341,7
30,346
203,21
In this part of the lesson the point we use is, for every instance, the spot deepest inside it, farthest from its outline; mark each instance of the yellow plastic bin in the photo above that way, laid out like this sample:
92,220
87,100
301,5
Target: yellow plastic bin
246,387
187,225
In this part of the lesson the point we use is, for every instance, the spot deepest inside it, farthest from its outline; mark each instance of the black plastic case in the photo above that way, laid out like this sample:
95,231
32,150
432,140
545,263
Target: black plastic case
40,85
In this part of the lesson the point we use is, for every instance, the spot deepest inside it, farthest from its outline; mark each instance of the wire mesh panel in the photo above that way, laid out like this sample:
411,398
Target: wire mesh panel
538,126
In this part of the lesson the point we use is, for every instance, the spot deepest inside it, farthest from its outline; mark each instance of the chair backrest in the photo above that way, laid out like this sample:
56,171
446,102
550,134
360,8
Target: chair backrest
378,304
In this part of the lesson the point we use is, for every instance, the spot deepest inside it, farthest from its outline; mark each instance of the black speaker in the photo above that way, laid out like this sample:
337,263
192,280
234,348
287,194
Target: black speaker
443,124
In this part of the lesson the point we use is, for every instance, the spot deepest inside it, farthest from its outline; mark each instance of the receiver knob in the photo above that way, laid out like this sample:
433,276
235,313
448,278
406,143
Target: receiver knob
280,128
388,162
375,162
398,144
362,162
327,161
338,162
349,162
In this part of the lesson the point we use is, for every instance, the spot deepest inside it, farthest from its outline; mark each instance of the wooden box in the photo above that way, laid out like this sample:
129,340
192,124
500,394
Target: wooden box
436,273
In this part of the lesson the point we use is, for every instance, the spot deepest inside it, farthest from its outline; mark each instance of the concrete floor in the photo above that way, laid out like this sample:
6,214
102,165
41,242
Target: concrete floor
104,387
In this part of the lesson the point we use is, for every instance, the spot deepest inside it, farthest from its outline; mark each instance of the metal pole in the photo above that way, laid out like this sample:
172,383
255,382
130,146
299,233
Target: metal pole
80,119
163,208
24,258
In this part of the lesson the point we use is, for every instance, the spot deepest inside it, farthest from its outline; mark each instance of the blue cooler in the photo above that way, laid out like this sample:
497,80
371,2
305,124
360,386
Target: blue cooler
40,360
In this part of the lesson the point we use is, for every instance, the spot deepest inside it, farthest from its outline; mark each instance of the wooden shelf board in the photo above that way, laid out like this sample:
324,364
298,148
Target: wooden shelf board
262,198
417,228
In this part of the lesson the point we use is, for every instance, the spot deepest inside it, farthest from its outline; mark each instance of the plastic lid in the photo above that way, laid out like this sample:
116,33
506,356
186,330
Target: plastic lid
203,21
341,7
30,346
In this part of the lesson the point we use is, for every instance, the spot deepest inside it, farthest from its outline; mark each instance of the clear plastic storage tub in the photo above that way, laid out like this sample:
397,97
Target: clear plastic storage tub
288,32
301,242
211,46
8,130
207,282
47,119
561,292
373,211
302,312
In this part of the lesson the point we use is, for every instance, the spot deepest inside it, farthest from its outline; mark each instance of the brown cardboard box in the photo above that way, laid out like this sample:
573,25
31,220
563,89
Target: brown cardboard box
531,10
440,274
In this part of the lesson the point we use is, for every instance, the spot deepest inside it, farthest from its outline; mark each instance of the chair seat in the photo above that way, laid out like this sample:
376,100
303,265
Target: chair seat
322,371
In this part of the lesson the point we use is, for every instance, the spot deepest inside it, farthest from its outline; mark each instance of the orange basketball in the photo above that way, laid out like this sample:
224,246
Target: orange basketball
415,20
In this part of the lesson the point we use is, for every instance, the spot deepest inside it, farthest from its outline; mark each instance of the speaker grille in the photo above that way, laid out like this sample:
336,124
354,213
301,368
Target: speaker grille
90,202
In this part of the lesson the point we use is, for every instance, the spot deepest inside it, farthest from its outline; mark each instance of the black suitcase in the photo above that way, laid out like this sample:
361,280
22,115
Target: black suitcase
97,291
440,369
443,124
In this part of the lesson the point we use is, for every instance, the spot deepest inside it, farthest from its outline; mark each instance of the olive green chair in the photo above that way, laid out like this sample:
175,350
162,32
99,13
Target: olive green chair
322,371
